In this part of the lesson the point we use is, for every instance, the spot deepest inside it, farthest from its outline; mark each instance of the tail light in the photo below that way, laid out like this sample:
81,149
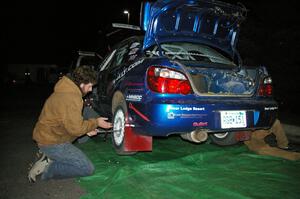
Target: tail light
265,87
164,80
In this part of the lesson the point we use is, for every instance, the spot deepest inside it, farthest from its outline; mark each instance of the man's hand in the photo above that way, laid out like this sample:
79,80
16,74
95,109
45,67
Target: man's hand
103,123
92,133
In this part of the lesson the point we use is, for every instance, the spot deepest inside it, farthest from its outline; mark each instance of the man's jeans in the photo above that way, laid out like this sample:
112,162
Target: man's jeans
67,161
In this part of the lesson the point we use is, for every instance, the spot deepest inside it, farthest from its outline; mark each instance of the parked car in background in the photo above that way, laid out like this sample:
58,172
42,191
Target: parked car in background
92,59
185,77
88,58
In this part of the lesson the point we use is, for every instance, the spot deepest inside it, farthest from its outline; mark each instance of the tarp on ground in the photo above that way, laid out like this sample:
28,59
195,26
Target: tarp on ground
178,169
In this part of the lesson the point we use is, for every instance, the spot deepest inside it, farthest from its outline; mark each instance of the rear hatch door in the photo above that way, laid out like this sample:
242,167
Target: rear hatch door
208,22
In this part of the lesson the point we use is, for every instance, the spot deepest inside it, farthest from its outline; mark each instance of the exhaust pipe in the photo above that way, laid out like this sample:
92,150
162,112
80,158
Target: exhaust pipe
195,136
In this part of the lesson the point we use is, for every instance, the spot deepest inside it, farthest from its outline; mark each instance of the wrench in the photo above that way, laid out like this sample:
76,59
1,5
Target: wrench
106,132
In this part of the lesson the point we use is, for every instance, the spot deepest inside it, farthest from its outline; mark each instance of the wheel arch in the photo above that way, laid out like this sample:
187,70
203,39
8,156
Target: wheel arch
117,98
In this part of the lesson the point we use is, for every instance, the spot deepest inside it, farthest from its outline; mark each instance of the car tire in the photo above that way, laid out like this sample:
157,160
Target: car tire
118,137
223,139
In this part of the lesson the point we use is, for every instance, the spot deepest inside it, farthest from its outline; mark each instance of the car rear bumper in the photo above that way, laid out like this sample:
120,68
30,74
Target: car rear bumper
163,119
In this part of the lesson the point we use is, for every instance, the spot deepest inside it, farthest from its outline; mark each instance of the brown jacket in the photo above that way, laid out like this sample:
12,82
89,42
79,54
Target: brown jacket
61,118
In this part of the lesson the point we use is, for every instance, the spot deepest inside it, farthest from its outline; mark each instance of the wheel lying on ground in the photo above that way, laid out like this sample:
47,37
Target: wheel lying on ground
224,139
118,136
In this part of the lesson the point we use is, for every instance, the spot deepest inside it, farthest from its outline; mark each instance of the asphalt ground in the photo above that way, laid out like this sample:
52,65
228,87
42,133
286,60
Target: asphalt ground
20,109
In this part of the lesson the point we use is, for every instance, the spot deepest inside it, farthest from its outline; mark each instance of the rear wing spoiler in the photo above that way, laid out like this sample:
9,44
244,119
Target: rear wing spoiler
89,54
82,54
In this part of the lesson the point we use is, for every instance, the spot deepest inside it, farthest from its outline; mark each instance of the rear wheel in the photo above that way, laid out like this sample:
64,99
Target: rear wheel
118,136
224,139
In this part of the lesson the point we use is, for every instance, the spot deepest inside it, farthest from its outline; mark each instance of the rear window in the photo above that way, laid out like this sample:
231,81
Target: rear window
190,52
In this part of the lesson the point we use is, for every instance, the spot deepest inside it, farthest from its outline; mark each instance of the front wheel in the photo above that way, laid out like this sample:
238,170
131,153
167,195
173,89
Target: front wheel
224,139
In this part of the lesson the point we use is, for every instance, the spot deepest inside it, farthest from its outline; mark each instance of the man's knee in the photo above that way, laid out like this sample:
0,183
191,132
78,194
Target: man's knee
276,125
88,169
91,170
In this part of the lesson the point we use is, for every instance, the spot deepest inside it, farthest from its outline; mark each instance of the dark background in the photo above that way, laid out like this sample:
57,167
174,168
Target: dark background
46,31
49,32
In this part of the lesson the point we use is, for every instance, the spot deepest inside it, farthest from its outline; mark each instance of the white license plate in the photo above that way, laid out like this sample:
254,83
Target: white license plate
233,119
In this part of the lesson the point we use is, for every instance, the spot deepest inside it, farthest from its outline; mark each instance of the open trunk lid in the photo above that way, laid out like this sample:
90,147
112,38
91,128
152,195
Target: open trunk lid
202,21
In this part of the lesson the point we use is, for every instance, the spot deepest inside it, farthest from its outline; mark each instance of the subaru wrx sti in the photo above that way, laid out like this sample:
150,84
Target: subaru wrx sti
185,77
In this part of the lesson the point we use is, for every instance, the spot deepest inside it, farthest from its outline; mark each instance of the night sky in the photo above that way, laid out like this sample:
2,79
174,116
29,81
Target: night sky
49,31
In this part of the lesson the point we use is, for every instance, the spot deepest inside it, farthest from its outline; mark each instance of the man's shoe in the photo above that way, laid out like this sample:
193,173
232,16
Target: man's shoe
289,148
38,168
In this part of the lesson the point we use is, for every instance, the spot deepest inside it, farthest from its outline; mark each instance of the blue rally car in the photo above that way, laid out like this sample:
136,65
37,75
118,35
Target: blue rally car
185,77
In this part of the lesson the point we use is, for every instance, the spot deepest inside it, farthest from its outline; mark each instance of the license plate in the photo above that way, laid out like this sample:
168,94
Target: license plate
233,119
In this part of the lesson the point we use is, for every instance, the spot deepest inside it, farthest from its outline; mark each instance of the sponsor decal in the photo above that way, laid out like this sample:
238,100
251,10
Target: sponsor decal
198,109
271,108
133,51
134,98
135,89
192,115
134,45
172,115
134,83
184,108
134,48
126,70
200,124
132,57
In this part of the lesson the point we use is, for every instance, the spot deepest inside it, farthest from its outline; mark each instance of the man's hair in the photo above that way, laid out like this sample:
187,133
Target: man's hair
83,74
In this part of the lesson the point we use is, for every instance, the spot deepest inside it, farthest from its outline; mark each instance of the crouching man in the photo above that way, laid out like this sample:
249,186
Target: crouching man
283,150
60,123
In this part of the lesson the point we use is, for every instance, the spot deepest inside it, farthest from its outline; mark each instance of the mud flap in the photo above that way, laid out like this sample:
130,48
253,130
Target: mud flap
135,142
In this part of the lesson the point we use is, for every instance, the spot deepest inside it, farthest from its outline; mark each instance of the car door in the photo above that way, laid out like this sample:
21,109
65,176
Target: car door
107,72
114,64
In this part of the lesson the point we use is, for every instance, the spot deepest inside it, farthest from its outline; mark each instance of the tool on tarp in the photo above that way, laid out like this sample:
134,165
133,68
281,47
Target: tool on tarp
106,132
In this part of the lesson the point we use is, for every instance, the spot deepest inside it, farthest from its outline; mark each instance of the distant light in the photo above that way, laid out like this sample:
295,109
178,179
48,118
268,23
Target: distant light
126,12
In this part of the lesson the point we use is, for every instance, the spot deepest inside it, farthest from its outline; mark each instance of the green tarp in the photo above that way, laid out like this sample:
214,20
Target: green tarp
179,169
